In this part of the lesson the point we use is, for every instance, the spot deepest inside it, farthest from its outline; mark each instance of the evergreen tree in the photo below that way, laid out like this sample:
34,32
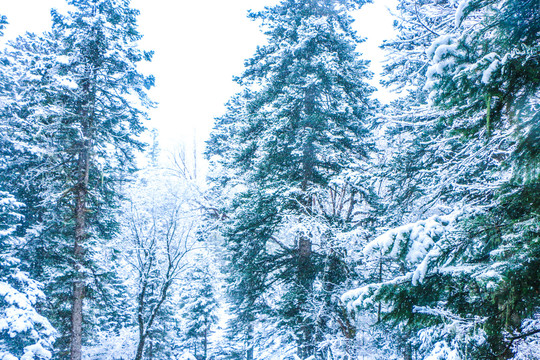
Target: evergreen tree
463,285
78,125
24,332
199,310
287,149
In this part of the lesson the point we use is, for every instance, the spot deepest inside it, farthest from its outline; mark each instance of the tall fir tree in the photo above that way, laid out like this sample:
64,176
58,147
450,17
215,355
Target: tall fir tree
286,150
78,127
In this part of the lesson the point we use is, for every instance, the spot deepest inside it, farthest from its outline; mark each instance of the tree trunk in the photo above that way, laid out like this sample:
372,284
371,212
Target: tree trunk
305,278
140,347
407,352
249,354
205,340
305,251
76,319
249,343
83,166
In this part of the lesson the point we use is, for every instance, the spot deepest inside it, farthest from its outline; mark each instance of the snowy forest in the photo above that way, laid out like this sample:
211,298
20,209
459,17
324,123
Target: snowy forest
328,225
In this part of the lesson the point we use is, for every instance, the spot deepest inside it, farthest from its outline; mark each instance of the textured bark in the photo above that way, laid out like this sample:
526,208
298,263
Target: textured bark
78,252
205,340
140,347
249,342
76,320
305,245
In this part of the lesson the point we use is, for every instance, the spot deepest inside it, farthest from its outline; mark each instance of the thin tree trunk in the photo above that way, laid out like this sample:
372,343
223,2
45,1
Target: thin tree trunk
76,320
145,328
380,302
249,343
205,341
305,277
407,353
305,246
140,347
78,252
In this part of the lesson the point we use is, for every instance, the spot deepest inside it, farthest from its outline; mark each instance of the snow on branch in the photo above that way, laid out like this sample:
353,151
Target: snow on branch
416,246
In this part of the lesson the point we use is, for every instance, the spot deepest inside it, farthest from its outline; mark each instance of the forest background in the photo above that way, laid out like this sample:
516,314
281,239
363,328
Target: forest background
332,225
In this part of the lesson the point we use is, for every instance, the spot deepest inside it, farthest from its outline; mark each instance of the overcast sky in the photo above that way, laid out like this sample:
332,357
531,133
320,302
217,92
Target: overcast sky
199,46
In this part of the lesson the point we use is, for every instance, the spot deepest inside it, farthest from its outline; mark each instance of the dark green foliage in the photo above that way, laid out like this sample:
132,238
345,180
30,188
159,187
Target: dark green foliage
288,146
72,86
466,141
23,330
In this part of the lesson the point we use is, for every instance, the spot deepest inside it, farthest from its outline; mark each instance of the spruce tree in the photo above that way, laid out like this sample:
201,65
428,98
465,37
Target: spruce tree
199,310
286,150
79,123
24,331
460,283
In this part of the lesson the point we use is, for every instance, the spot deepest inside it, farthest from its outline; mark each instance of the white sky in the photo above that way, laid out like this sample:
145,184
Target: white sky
199,46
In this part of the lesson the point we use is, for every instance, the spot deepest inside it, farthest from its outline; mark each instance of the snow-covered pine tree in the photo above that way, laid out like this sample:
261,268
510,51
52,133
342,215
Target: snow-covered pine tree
78,116
286,150
24,332
199,310
464,286
417,175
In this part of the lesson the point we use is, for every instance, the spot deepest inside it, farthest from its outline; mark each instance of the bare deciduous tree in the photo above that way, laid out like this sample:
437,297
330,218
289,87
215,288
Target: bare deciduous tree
158,236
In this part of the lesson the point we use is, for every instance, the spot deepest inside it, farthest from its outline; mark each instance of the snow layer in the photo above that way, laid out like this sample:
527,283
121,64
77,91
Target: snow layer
416,245
486,76
460,12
